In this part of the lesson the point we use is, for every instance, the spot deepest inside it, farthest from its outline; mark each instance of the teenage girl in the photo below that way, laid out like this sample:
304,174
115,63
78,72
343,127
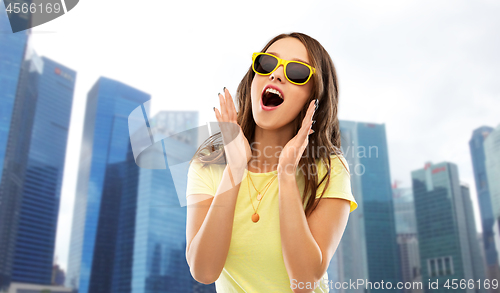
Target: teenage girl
252,224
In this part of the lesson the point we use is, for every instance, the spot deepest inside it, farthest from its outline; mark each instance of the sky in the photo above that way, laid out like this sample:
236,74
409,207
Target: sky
428,70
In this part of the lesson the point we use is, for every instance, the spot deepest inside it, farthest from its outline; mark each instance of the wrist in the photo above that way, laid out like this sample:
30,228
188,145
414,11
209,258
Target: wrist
236,170
286,173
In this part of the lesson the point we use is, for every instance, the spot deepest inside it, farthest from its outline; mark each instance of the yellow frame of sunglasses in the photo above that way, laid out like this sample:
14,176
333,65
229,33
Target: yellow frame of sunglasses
312,70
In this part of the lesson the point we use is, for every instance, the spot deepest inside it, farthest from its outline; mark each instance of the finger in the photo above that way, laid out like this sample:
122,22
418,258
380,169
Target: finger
217,115
305,129
307,121
231,109
311,110
231,106
309,113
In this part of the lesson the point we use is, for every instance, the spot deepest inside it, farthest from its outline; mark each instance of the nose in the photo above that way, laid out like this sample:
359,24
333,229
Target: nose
278,74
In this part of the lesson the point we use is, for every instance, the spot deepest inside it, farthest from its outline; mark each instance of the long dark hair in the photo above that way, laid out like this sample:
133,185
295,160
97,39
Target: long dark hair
322,143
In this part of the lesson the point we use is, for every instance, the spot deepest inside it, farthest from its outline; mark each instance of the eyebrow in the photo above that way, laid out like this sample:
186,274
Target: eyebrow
296,59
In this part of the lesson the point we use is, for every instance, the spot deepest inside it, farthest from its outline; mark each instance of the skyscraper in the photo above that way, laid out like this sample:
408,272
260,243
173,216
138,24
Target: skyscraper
368,249
407,237
33,258
12,54
446,228
32,159
476,251
476,145
105,171
160,242
492,161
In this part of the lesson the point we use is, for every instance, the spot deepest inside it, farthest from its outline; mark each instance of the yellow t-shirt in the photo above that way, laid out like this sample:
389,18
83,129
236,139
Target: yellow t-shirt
255,261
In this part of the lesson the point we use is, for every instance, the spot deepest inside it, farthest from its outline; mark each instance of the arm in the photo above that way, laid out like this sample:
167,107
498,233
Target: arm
308,244
210,220
209,227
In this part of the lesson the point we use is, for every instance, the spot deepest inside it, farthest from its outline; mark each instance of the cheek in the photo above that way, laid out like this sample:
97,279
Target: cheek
301,97
253,90
257,83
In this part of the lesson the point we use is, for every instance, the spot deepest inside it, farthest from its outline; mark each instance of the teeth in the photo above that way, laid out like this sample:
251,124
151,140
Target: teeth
271,90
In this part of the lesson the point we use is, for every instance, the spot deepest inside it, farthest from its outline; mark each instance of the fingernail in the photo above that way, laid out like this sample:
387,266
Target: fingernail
314,121
316,105
224,88
218,94
214,109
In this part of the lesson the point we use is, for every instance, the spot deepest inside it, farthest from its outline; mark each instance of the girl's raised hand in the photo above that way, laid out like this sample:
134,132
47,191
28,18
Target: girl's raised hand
293,150
236,145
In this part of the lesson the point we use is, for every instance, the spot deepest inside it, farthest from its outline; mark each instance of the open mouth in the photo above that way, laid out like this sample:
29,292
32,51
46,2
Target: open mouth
271,98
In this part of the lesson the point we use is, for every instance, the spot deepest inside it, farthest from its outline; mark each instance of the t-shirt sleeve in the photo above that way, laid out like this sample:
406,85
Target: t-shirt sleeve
199,180
340,181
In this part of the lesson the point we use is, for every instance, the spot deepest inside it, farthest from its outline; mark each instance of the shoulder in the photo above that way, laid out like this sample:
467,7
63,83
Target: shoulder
206,168
340,181
203,178
338,165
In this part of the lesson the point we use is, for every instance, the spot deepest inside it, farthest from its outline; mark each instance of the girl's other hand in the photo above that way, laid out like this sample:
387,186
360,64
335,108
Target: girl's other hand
293,150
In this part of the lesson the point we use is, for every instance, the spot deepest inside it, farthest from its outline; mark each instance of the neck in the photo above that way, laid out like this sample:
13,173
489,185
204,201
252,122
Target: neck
267,147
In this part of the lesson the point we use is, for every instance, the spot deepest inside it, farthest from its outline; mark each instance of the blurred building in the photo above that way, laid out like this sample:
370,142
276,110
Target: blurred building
12,55
129,227
407,236
106,175
160,241
476,145
33,288
368,249
35,116
446,228
58,276
476,250
492,160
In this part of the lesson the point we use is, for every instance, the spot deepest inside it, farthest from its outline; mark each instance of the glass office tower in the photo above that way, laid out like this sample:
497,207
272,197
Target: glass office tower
476,145
12,54
492,160
446,230
368,249
160,241
34,249
475,249
104,171
33,155
407,237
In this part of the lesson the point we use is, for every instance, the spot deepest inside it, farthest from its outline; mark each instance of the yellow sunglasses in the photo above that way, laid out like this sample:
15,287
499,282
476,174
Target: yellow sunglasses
296,72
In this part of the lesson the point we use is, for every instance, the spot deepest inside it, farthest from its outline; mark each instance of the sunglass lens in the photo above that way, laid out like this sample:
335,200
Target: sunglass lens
265,64
297,72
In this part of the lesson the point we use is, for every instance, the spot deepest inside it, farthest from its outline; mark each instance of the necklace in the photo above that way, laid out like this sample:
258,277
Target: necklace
255,216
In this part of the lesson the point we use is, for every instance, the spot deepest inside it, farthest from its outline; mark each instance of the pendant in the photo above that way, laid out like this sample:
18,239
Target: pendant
259,197
255,218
